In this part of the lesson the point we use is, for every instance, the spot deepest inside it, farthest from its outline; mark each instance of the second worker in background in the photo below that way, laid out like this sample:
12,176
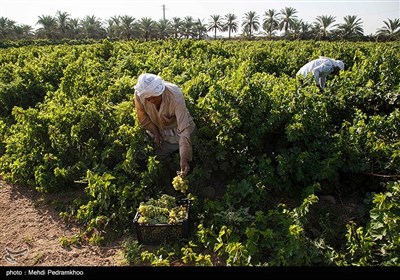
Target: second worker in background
320,68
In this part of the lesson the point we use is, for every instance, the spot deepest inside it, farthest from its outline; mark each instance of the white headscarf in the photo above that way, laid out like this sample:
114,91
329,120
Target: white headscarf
149,85
338,63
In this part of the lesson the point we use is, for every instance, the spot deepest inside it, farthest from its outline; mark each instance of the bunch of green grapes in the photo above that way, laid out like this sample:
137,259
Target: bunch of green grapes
161,211
180,183
167,201
177,214
151,214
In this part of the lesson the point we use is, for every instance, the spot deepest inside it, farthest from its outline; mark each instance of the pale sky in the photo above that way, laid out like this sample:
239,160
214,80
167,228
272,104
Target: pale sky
372,13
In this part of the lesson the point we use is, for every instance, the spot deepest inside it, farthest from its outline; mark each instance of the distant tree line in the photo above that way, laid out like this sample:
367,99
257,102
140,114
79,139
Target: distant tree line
273,24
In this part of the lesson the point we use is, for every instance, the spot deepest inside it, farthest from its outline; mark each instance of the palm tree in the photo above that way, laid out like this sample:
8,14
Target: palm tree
351,28
6,27
271,22
92,27
324,22
163,27
306,30
62,20
316,28
187,26
146,28
250,23
301,29
200,29
127,26
391,29
74,28
216,24
22,31
287,18
296,29
113,27
49,27
176,26
231,24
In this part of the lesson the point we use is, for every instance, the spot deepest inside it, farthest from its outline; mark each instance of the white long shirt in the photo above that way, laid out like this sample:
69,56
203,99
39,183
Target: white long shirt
320,68
172,119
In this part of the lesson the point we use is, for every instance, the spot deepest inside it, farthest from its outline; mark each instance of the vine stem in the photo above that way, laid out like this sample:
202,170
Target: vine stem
381,175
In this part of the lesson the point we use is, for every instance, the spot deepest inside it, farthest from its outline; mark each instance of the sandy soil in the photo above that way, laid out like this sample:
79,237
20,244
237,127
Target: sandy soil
31,230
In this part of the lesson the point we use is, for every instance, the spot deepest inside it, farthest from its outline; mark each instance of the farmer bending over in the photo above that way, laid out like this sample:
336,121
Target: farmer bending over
162,112
320,69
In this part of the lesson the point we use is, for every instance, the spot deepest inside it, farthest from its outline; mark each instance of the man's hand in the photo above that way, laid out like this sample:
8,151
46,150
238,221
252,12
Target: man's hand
185,168
158,139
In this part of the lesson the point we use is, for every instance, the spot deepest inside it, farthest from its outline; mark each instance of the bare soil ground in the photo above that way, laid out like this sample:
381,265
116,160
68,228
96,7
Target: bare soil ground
31,229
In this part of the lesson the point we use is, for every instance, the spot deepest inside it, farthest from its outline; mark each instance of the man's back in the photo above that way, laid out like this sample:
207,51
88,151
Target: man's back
323,65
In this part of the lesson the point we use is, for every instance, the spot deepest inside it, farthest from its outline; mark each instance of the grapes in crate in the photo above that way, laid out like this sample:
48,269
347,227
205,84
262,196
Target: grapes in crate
164,210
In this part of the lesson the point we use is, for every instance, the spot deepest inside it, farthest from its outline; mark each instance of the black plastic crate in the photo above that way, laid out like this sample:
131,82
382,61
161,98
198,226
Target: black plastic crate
160,233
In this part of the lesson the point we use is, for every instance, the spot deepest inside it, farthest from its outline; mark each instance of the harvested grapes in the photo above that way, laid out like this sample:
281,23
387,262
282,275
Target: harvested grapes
164,210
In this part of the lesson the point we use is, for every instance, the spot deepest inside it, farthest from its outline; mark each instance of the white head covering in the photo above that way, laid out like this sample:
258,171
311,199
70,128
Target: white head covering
149,85
338,63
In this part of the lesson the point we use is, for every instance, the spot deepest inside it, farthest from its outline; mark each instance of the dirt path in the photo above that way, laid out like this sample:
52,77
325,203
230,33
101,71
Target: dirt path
30,233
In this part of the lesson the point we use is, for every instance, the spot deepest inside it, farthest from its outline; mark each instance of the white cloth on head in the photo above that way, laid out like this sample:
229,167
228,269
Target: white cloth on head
339,63
149,85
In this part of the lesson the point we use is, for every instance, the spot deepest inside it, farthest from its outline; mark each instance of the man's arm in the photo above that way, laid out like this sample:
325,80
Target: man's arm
146,123
316,73
185,143
320,73
322,81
